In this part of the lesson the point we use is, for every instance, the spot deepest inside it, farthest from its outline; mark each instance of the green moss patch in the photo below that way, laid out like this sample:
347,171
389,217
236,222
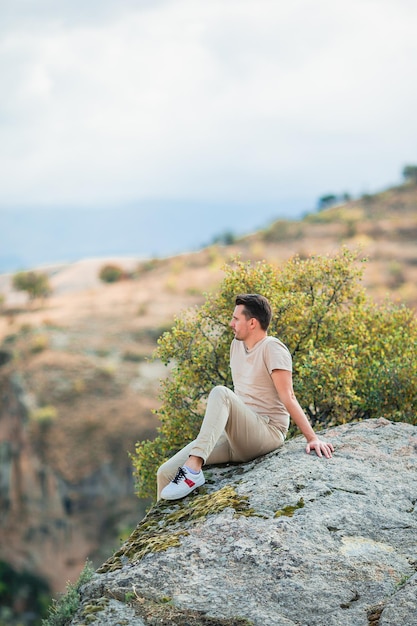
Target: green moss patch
163,527
288,511
89,611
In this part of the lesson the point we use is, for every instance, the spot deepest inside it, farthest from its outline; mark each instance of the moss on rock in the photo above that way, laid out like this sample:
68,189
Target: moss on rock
289,510
163,526
164,613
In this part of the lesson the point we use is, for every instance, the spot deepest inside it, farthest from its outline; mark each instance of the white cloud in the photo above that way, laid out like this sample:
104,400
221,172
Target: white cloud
222,100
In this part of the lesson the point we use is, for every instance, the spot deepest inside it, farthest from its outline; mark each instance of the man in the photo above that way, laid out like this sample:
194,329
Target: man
250,421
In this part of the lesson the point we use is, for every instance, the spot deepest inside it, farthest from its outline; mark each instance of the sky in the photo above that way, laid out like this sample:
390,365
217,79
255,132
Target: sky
243,110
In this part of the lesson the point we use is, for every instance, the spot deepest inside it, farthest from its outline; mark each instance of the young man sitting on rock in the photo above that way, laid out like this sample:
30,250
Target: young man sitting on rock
250,421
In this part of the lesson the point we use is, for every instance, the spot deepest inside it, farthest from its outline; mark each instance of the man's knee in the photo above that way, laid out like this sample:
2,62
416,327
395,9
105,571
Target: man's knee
163,471
220,391
164,475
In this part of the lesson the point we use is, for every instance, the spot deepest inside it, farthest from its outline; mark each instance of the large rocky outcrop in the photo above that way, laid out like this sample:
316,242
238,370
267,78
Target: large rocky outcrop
287,539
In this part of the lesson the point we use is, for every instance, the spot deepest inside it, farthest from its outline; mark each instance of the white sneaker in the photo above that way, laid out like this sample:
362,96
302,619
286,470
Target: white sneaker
184,483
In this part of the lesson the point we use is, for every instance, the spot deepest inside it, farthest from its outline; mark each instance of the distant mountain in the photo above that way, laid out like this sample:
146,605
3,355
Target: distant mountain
33,237
383,225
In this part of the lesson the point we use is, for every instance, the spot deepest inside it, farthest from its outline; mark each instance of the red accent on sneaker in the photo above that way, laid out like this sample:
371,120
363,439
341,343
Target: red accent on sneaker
189,482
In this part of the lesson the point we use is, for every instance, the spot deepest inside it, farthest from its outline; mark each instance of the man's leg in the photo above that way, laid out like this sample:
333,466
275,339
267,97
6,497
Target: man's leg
248,433
167,470
230,432
211,439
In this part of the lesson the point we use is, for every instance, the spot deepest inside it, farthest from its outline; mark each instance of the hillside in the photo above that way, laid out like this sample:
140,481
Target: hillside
78,387
382,226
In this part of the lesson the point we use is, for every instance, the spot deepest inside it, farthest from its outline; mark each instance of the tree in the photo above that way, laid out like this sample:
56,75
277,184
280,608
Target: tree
410,173
327,201
352,359
36,284
227,238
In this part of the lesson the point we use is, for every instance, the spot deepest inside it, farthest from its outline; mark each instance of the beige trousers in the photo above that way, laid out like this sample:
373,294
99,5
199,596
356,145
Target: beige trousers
230,431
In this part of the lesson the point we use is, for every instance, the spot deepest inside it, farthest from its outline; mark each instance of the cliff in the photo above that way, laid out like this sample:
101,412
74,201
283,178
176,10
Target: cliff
64,495
287,539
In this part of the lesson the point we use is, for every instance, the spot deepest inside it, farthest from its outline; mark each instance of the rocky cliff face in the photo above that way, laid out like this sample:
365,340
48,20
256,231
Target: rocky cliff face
50,523
289,539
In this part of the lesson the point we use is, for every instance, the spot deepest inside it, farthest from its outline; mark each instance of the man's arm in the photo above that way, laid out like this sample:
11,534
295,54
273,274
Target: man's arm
283,384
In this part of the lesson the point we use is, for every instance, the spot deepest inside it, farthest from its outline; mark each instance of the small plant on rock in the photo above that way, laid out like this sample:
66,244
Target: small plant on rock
64,608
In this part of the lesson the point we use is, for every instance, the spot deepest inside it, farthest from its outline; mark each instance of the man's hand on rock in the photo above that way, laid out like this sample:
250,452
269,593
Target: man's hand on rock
320,447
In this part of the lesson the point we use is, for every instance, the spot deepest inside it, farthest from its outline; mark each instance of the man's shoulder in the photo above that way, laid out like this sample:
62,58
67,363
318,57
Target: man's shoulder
275,342
276,355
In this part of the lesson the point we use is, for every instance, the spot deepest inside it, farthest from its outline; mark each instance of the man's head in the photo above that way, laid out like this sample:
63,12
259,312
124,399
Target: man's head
255,306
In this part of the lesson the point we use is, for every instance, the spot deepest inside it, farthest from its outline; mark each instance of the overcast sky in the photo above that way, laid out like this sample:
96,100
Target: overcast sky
256,103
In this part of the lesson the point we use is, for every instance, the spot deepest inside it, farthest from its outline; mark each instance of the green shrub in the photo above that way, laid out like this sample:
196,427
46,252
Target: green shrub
111,273
39,343
352,358
63,609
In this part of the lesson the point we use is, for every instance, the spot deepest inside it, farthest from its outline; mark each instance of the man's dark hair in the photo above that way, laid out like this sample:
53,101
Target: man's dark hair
256,306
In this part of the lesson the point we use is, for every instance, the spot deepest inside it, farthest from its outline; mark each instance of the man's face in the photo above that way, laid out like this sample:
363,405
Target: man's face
239,324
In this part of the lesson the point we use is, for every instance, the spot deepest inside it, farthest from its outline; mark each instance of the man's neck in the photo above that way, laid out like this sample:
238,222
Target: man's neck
251,341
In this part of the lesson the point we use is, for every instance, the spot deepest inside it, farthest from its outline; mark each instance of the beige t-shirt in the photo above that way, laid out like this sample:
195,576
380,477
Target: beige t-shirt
251,374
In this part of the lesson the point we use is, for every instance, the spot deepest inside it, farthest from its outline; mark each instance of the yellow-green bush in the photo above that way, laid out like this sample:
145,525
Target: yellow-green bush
36,284
111,273
352,358
39,343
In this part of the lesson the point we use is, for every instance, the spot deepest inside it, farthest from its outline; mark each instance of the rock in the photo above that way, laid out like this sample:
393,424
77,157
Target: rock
288,539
